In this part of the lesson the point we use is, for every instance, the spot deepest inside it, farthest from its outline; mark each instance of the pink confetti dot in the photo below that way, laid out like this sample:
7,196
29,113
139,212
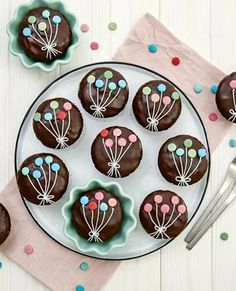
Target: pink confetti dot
213,116
109,143
99,196
112,202
181,209
94,45
155,98
122,142
175,200
166,100
158,199
132,138
28,250
148,207
233,84
165,208
67,106
84,27
117,132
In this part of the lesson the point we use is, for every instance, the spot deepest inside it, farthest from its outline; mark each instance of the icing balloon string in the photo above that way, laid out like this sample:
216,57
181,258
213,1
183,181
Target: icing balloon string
233,111
165,105
46,41
104,97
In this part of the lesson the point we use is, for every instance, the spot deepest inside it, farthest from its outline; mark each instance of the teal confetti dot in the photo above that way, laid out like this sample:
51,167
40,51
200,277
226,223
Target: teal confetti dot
224,236
56,19
1,265
202,153
84,266
25,171
48,116
161,88
79,288
45,14
232,143
38,162
26,32
122,84
55,167
214,88
179,152
153,48
84,200
49,160
103,207
112,86
99,84
37,174
197,88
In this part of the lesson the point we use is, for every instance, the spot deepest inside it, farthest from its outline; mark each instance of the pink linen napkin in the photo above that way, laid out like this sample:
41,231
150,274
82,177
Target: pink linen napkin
57,267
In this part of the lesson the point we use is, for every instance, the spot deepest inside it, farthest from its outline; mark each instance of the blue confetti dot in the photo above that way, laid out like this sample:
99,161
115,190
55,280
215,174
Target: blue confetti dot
37,174
38,162
56,19
197,88
1,264
26,31
112,86
103,207
99,84
232,143
84,200
48,116
214,88
49,160
25,171
55,167
80,288
45,14
161,88
201,153
84,266
179,152
122,84
152,48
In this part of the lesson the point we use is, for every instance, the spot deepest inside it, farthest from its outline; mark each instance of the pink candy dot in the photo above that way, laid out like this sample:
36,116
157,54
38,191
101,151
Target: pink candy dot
166,100
158,198
94,45
109,143
155,98
99,196
233,84
112,202
122,142
148,207
132,138
175,200
181,209
117,132
28,250
84,27
165,208
213,116
67,106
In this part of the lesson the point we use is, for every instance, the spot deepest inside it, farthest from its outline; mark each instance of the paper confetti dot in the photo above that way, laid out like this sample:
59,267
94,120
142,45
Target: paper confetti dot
214,88
197,88
112,26
84,27
1,264
79,288
224,236
94,45
175,61
152,48
232,143
213,116
83,266
28,250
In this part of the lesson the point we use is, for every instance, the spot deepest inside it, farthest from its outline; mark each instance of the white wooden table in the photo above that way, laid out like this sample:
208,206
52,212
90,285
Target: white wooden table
206,25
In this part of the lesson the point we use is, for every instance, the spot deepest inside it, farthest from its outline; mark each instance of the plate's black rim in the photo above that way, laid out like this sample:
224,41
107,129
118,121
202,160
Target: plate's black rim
125,64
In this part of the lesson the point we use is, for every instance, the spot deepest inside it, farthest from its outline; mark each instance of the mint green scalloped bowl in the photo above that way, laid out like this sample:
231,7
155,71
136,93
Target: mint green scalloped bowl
13,27
119,240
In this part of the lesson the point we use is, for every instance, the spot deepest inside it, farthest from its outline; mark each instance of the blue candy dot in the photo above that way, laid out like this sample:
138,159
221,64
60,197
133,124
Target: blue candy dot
99,84
103,206
179,152
161,88
36,174
79,288
84,200
49,159
45,14
152,48
55,167
48,116
56,19
25,171
197,88
112,86
122,84
201,153
214,88
26,31
232,143
38,162
1,264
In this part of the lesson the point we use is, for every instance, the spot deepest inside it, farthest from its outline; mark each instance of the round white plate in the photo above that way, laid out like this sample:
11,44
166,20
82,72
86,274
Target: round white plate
143,181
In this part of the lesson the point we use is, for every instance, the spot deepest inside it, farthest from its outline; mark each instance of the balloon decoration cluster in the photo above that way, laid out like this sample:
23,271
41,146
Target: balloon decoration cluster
43,178
44,33
115,149
183,159
158,211
95,207
232,111
158,104
54,122
107,92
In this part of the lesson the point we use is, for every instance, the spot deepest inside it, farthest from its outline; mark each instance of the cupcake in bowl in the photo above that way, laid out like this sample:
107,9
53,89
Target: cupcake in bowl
99,217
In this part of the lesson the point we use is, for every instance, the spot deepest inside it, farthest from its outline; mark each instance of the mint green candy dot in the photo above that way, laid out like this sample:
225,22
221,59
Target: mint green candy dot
175,95
171,147
54,104
112,26
31,19
42,26
147,90
84,266
91,79
108,75
224,236
188,143
192,153
37,116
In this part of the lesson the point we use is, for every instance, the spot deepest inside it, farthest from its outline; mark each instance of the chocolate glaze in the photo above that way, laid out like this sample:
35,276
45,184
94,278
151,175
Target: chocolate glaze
173,230
140,105
128,164
116,106
166,163
33,48
75,129
113,226
5,224
224,97
25,187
